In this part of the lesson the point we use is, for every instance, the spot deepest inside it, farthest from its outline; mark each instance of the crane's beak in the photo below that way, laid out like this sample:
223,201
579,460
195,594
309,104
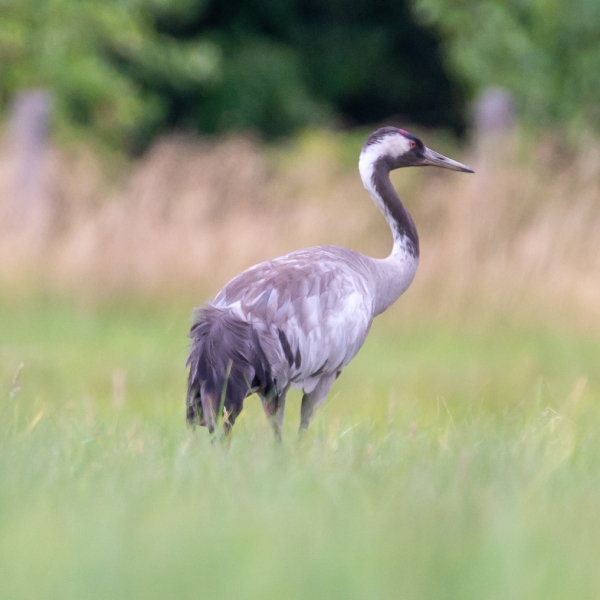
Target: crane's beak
438,160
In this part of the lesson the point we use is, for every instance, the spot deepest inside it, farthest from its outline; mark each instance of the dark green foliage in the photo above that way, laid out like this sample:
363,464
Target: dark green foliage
261,87
129,69
289,62
78,49
547,53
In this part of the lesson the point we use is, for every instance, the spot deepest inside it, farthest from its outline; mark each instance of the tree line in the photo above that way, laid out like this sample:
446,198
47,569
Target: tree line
127,70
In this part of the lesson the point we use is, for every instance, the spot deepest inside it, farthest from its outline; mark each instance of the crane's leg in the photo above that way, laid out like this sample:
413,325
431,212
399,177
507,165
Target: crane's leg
274,407
314,399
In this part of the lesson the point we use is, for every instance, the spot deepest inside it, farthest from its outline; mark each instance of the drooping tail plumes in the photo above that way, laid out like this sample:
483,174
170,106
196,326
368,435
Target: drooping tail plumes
226,362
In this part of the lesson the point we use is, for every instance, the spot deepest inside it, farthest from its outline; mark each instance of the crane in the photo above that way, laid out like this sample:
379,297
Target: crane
299,319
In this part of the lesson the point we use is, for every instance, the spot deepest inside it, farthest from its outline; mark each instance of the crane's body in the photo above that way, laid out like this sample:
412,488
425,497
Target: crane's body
299,319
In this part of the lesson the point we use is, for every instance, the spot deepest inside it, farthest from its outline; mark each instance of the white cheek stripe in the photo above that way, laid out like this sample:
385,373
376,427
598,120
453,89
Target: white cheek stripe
391,145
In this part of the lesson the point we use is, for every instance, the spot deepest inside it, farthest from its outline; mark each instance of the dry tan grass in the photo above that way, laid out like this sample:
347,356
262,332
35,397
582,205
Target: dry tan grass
521,237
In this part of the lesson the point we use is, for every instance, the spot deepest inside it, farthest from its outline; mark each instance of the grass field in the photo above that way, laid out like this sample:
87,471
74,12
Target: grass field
448,462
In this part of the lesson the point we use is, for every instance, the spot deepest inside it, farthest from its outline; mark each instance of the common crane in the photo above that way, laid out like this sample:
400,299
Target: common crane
299,319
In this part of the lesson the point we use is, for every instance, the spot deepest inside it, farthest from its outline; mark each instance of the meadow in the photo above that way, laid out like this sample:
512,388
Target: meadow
446,463
457,456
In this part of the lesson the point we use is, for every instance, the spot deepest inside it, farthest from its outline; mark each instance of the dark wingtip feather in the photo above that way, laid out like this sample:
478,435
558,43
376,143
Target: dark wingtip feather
225,354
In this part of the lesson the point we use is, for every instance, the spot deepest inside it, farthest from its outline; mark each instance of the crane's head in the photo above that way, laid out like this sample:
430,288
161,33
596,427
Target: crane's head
399,148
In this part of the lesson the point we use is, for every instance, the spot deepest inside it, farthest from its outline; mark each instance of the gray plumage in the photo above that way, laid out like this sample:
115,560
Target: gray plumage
299,319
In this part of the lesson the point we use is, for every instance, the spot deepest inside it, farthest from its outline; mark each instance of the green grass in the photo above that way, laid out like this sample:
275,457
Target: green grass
446,463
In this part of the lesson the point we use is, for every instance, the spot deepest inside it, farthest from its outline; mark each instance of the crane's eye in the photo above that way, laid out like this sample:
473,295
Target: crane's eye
412,144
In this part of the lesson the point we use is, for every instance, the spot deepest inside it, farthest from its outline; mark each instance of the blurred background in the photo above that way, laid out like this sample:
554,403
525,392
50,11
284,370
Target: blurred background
152,149
157,147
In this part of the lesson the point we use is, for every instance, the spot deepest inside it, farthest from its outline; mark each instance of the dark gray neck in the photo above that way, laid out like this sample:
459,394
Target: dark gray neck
396,214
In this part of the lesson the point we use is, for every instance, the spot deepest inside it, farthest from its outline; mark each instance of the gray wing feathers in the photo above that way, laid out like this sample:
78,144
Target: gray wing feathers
319,300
